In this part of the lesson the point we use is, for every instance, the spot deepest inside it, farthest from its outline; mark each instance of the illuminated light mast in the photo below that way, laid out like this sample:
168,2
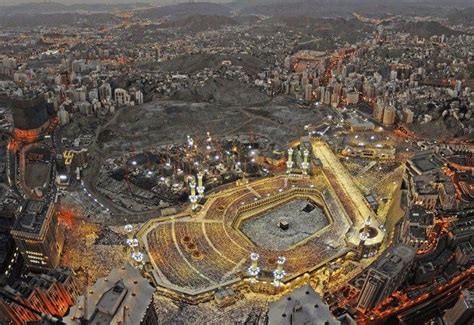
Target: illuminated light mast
305,163
289,163
190,142
132,243
279,273
253,270
200,187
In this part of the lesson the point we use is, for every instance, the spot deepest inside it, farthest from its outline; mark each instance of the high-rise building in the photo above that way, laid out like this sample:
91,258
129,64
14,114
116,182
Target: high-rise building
378,110
63,116
137,96
464,253
30,113
38,235
458,86
50,293
407,116
385,275
393,75
123,297
122,97
389,115
463,311
105,92
308,92
352,97
80,94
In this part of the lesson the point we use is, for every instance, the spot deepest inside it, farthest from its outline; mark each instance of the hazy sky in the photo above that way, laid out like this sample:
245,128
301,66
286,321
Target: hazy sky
14,2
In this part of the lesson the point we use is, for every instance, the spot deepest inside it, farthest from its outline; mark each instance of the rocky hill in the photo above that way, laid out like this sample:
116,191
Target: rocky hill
185,9
426,29
198,23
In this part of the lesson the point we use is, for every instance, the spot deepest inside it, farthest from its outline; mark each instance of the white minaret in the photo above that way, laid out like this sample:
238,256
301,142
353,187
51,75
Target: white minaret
254,269
200,187
305,163
193,197
289,162
279,273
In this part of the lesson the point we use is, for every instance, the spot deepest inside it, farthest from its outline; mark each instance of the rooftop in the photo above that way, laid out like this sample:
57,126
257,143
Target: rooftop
123,293
419,215
31,218
394,260
426,163
302,306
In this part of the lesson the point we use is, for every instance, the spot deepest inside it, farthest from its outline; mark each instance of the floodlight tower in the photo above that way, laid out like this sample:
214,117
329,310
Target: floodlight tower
289,162
253,270
200,187
137,256
279,273
132,243
190,142
305,163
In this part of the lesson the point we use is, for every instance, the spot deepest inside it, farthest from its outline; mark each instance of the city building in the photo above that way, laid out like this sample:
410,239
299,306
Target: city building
122,97
38,235
63,116
358,124
463,311
379,110
105,92
416,226
49,293
464,254
461,230
424,163
302,306
389,115
30,116
123,297
385,275
407,116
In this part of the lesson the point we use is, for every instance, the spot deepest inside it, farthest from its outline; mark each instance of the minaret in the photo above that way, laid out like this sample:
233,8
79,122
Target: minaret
254,269
279,273
193,197
289,163
364,235
305,163
200,187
